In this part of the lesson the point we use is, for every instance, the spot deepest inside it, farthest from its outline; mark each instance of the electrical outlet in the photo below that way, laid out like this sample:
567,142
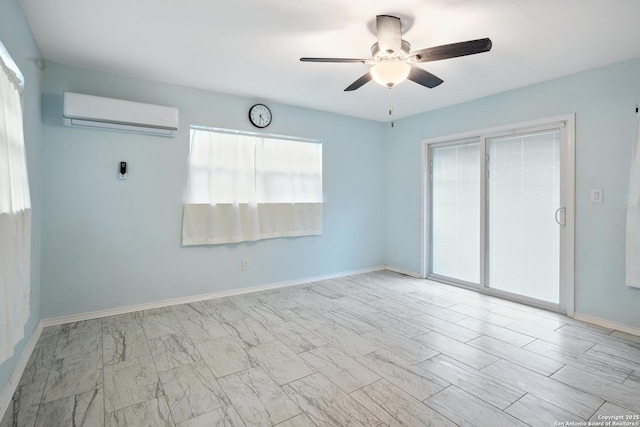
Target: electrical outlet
245,263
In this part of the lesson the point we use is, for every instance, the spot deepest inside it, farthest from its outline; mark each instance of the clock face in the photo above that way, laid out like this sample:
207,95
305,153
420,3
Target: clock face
260,115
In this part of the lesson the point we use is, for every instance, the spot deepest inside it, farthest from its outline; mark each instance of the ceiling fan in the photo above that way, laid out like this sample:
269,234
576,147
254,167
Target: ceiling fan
392,62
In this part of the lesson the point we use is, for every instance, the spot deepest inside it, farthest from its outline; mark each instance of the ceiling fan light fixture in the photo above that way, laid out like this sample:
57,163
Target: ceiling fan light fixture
392,59
390,73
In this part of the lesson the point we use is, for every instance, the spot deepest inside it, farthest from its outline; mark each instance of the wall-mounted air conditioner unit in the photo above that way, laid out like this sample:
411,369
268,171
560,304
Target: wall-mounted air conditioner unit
96,112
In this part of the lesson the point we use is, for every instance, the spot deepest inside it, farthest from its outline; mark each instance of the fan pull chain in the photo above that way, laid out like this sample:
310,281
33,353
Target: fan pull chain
391,105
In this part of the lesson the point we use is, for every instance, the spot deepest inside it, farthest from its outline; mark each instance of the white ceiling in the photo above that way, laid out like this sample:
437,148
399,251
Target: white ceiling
252,47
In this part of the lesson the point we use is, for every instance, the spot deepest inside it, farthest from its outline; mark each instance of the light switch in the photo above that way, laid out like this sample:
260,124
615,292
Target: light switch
596,195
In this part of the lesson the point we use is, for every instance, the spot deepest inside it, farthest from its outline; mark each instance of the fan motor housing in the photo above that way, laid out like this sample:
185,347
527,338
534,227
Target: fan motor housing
379,55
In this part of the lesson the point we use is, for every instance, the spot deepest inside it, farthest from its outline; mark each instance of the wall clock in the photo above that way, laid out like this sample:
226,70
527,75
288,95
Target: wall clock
260,115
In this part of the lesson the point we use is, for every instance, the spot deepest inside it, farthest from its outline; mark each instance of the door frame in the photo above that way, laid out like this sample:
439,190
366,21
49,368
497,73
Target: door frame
567,242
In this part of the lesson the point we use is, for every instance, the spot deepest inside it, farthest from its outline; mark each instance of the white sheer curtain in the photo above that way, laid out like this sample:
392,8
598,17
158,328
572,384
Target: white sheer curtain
15,217
244,187
633,215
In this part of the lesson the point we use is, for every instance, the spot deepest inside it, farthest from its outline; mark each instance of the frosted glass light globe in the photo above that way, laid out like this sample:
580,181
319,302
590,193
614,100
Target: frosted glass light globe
390,73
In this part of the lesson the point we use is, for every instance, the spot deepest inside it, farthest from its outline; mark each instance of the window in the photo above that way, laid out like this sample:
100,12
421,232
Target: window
247,186
15,211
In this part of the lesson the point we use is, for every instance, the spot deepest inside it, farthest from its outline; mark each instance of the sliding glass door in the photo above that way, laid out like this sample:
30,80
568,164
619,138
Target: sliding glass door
456,211
523,197
499,209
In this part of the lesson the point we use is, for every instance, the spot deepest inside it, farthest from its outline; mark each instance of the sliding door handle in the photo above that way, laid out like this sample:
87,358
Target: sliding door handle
563,217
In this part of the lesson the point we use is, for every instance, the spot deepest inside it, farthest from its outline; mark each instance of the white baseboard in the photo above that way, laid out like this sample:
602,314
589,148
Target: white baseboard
403,271
607,323
195,298
10,388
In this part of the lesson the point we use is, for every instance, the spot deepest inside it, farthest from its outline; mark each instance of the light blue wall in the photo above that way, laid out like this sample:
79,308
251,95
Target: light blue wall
17,38
604,101
110,243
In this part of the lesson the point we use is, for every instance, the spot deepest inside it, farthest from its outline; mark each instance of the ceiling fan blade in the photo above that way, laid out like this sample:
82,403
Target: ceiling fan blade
424,78
343,60
359,83
453,50
389,33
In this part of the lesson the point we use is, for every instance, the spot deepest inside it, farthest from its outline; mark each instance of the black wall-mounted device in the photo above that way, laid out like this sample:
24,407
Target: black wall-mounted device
123,170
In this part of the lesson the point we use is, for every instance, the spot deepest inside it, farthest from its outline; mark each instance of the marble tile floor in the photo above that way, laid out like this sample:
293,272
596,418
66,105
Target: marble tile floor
376,349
